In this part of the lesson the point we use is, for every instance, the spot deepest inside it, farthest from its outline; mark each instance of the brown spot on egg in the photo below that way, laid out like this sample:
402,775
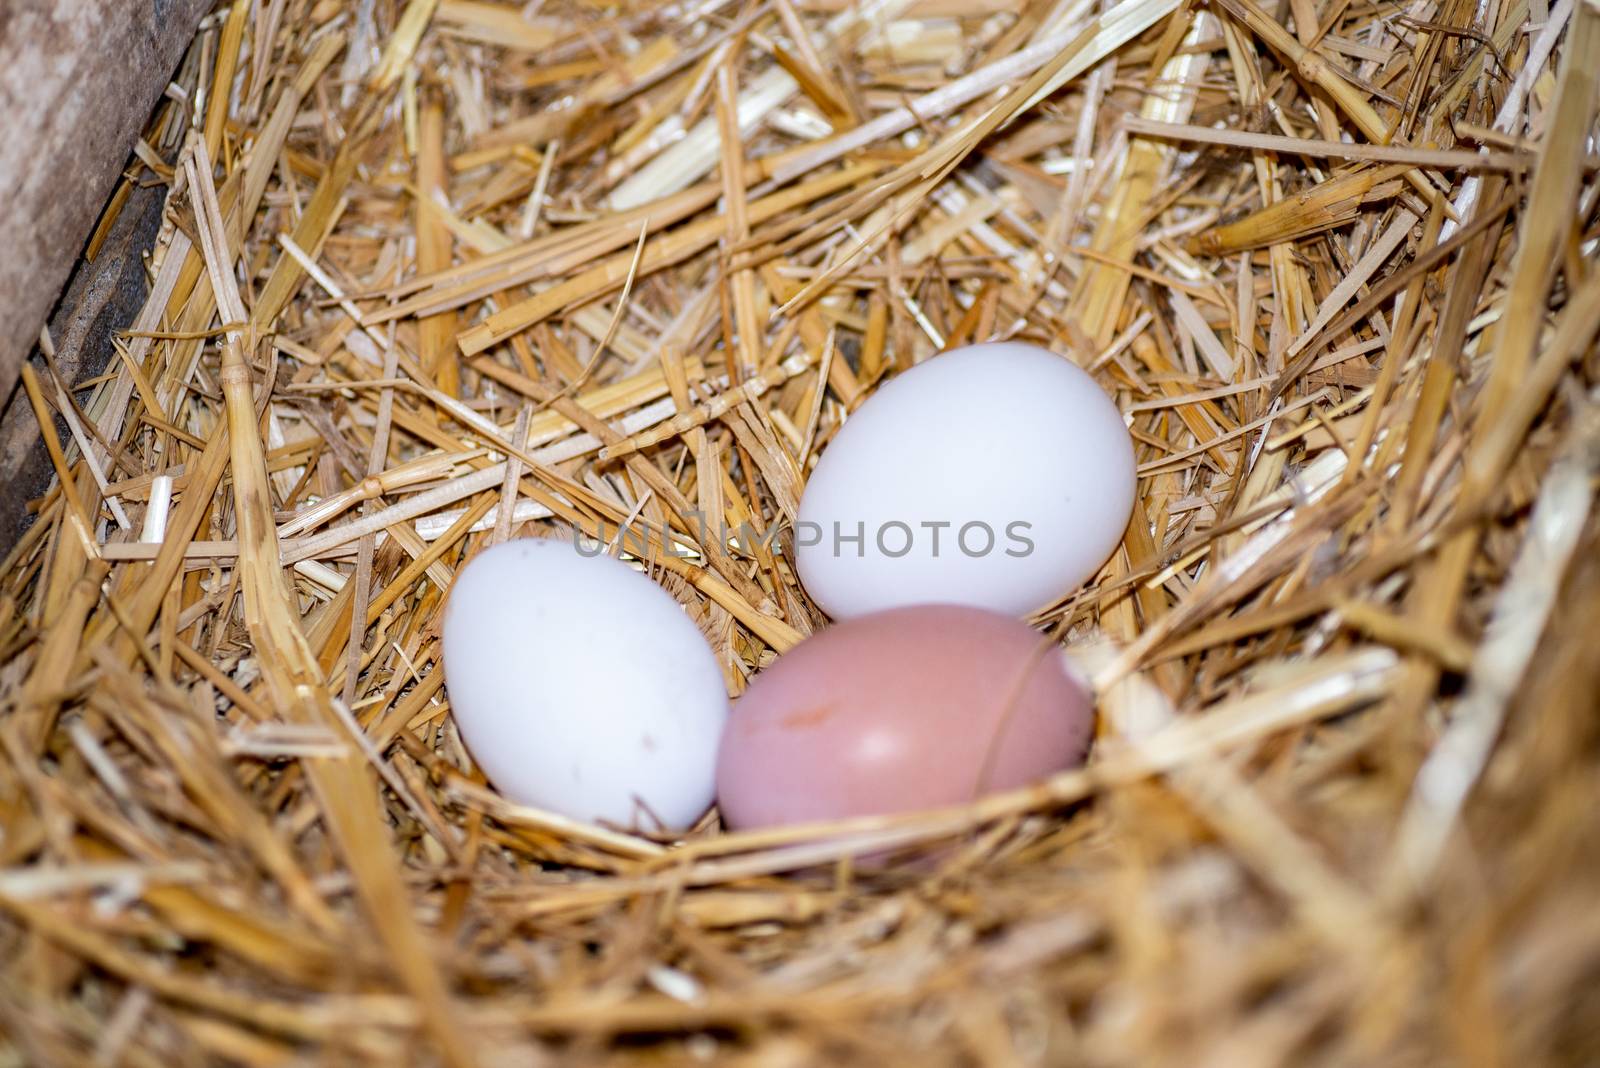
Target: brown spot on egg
809,717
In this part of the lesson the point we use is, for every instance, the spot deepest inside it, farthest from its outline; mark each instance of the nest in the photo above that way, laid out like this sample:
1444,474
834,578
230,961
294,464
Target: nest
438,273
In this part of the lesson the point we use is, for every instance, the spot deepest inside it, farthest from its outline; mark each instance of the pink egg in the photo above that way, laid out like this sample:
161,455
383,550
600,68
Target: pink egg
910,708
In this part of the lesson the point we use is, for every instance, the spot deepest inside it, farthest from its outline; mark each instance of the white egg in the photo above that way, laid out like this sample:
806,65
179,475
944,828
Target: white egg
581,687
998,476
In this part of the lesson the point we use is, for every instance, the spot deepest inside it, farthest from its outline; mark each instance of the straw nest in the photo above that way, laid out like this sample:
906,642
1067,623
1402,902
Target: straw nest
442,272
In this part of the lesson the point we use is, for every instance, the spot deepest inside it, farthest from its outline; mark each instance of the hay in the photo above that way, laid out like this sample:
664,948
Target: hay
438,273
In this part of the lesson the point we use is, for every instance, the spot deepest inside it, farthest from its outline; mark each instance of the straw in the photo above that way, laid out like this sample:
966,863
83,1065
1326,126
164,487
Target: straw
442,273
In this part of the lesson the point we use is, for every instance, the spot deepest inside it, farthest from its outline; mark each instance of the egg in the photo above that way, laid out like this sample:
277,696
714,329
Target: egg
581,687
998,476
910,708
